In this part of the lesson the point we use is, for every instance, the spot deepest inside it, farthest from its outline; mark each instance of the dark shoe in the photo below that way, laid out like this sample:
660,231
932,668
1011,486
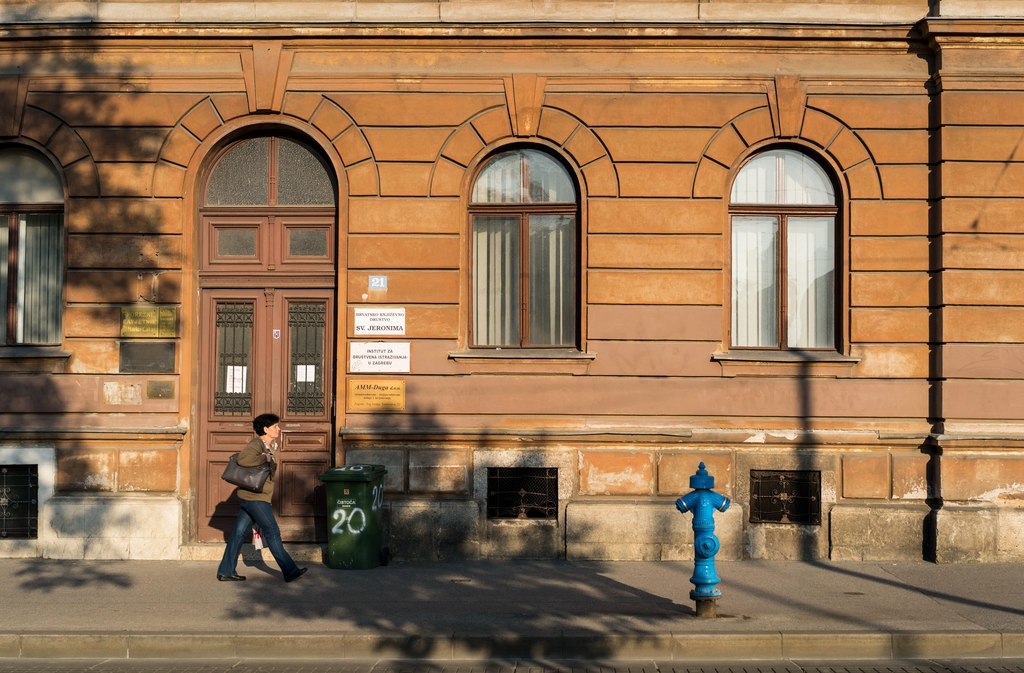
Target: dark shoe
231,578
296,575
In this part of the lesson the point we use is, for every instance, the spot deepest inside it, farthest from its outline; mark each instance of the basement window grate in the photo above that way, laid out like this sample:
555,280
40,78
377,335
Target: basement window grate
522,493
19,502
778,496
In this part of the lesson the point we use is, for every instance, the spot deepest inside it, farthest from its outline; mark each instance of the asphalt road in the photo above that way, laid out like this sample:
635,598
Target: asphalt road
315,666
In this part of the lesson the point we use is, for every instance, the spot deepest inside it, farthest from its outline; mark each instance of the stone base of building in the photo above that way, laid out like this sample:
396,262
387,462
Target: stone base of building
872,533
213,551
643,531
117,526
979,533
617,530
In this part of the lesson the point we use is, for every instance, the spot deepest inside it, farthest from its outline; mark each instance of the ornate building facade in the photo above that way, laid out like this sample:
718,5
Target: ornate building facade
538,259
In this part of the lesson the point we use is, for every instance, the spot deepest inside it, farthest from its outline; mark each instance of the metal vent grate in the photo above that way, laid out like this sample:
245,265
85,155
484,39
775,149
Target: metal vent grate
785,497
19,502
522,493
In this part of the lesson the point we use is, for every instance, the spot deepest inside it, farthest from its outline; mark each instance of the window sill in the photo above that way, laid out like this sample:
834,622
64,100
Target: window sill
782,356
524,360
785,363
33,359
522,355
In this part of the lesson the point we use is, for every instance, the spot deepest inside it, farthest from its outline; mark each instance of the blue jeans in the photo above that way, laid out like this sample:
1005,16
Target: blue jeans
263,515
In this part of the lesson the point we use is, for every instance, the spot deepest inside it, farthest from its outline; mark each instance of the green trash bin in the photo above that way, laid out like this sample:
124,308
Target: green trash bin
355,498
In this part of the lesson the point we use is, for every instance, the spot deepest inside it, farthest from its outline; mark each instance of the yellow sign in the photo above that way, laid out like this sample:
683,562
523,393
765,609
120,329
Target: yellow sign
376,395
149,321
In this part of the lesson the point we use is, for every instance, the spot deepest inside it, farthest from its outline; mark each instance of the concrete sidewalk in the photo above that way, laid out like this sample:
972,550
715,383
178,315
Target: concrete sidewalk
518,609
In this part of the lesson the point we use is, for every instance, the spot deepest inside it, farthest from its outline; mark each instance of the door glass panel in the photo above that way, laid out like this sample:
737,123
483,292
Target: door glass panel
234,360
307,324
303,178
242,177
236,242
307,243
552,280
496,280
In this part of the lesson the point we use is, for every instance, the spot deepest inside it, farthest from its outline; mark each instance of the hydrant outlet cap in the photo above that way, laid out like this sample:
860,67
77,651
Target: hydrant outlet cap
702,480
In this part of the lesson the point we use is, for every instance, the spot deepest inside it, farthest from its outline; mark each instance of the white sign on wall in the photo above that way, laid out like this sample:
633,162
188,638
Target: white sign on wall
379,321
378,357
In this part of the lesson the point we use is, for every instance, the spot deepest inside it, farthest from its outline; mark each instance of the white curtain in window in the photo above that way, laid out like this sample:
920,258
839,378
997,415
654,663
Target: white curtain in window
549,181
40,251
810,282
783,177
4,234
758,182
754,277
495,280
552,280
501,181
27,177
805,182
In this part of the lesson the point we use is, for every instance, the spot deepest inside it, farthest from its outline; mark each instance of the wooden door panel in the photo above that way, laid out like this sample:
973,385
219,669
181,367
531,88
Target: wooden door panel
305,441
228,442
235,244
220,495
306,243
302,493
290,373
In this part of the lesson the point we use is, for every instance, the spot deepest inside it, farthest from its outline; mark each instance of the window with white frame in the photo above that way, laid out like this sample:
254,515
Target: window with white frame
31,248
524,209
783,213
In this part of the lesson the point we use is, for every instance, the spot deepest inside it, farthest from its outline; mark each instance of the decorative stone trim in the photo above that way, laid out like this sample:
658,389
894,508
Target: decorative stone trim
444,12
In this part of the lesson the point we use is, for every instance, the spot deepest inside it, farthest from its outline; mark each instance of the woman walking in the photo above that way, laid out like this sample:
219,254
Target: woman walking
255,507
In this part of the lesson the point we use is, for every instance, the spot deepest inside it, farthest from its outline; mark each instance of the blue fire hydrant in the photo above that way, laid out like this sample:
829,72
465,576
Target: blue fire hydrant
702,501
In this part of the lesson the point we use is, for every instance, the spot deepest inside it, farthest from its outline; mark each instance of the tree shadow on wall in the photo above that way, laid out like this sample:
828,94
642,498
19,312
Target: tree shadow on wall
63,101
436,493
117,249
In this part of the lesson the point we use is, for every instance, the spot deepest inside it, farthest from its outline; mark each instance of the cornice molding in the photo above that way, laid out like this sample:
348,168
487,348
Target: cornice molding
466,12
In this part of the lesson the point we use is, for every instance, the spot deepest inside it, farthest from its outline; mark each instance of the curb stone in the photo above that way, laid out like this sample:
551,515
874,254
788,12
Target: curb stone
765,646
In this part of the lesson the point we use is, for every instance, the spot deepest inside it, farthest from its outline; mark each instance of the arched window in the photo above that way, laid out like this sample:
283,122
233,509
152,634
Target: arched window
270,171
270,204
524,208
31,248
783,211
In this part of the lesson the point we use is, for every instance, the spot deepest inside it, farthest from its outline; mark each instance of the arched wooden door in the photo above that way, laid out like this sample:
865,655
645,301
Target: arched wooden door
268,224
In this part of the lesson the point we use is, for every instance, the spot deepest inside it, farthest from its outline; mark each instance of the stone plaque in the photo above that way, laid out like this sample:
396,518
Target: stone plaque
160,390
149,321
376,395
147,357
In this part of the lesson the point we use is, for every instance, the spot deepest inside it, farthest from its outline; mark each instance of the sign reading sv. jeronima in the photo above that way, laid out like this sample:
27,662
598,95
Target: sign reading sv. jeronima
376,395
379,321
